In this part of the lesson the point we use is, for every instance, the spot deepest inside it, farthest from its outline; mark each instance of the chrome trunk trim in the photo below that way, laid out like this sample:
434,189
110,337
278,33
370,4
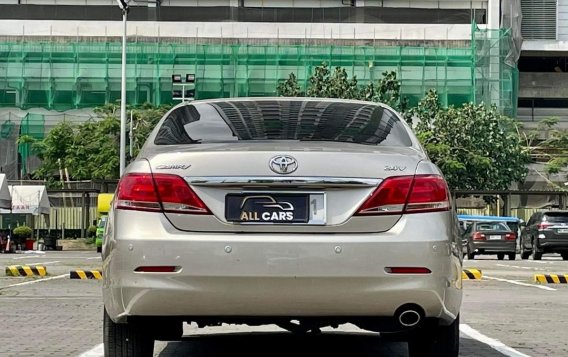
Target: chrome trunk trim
271,181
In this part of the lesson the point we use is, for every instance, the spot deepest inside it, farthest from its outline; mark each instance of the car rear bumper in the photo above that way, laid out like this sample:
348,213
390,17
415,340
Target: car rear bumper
493,246
282,275
553,245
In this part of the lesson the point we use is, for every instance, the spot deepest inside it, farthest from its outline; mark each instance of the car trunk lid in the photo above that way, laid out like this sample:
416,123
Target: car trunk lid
320,194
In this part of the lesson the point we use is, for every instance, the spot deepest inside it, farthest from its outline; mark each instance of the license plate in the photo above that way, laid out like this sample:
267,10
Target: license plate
281,208
563,230
494,237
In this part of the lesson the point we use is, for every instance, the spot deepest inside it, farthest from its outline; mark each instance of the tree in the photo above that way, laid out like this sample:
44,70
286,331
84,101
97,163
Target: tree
289,87
53,151
548,144
145,119
474,145
324,83
91,150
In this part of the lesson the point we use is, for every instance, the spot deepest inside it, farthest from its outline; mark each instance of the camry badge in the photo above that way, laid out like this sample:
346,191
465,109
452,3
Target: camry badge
283,164
173,167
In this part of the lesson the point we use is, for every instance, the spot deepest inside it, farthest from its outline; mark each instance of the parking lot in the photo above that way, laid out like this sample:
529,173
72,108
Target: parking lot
504,314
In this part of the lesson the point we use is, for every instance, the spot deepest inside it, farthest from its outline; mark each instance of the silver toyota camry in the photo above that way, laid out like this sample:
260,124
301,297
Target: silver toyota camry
299,212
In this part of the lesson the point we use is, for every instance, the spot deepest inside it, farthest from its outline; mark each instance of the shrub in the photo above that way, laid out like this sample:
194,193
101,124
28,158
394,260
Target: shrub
22,232
91,231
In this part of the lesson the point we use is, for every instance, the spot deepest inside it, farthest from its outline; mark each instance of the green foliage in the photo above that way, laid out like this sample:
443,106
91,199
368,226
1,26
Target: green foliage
474,145
91,150
91,231
289,87
145,119
386,91
325,83
332,84
22,232
553,150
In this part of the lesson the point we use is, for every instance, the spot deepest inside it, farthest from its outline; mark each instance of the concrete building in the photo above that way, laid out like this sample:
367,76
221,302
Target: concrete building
543,66
59,58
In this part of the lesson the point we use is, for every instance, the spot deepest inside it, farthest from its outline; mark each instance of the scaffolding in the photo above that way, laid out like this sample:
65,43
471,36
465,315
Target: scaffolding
70,73
495,74
64,75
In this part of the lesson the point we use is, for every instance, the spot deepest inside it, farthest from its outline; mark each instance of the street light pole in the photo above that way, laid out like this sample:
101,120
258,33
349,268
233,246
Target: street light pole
123,97
123,4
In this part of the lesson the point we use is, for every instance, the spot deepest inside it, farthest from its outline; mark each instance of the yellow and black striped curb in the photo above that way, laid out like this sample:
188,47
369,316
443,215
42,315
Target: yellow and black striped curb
471,274
26,270
551,278
85,274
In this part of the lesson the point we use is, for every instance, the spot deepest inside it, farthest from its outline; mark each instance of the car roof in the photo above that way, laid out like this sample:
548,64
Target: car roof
467,217
285,99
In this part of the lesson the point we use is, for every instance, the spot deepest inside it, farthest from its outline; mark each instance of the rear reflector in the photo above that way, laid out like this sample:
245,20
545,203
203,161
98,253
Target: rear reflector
157,269
158,192
408,194
407,270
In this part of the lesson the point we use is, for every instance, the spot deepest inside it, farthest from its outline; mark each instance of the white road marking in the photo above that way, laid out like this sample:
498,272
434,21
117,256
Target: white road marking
94,258
45,263
35,281
519,283
97,351
493,343
26,257
516,266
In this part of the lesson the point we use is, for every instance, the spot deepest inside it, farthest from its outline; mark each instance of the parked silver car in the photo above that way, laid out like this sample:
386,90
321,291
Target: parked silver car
298,212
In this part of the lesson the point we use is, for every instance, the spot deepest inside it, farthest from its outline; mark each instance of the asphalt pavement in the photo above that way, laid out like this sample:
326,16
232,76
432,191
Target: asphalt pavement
504,314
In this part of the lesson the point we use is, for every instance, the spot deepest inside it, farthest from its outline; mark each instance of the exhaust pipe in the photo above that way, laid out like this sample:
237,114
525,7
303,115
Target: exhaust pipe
409,318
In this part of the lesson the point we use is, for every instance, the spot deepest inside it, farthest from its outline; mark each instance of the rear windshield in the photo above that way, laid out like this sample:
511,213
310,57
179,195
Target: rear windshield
553,217
492,226
302,120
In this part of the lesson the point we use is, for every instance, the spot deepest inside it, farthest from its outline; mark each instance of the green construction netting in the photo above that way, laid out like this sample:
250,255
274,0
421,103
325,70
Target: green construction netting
32,125
496,76
65,74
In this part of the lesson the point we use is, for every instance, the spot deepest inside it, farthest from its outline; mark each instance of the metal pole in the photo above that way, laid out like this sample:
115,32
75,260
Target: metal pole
131,135
83,208
123,100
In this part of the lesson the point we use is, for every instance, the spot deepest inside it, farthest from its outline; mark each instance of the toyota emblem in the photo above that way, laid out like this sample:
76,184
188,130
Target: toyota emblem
283,164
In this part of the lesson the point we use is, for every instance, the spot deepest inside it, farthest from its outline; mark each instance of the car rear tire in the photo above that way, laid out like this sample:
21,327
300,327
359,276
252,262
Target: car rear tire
512,256
564,256
524,254
470,256
500,256
439,341
536,255
126,340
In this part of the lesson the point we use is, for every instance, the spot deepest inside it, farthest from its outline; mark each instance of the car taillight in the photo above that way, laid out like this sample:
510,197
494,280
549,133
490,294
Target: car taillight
478,236
408,194
158,192
510,236
543,226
